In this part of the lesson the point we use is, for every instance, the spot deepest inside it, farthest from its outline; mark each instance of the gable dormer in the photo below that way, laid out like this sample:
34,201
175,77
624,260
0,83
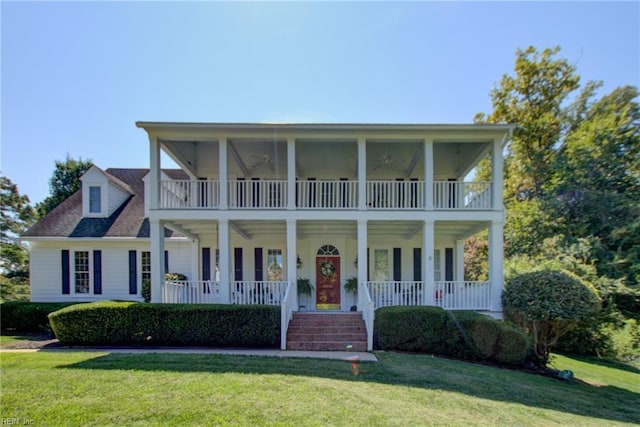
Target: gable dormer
102,193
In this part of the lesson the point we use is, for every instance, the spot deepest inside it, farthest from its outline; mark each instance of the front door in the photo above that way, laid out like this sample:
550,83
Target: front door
328,281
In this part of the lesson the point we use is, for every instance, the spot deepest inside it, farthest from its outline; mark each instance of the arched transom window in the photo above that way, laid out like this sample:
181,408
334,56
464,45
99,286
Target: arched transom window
328,250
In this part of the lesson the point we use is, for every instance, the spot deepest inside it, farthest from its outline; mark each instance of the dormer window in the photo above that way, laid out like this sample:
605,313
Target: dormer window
95,199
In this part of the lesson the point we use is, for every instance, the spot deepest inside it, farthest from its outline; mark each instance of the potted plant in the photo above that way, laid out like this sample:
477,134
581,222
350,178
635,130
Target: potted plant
351,285
305,288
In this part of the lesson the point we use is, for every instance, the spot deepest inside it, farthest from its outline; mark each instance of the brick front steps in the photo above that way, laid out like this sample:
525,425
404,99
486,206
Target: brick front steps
327,331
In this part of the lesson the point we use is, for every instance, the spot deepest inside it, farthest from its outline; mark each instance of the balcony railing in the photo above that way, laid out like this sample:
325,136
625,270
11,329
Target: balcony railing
329,194
267,194
464,295
189,194
462,195
395,194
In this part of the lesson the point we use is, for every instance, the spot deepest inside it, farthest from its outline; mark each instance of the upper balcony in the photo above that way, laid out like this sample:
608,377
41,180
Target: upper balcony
325,194
330,167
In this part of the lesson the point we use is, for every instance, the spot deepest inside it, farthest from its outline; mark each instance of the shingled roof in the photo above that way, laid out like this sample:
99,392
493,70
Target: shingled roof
66,219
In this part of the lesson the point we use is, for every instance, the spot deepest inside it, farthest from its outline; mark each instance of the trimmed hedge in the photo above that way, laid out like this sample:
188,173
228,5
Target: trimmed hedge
25,316
459,334
132,323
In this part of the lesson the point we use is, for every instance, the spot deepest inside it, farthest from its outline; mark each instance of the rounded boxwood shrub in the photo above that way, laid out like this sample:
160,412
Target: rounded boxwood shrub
459,334
25,316
546,304
132,323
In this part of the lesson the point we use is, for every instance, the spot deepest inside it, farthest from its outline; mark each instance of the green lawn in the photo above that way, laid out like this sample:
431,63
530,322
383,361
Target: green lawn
172,389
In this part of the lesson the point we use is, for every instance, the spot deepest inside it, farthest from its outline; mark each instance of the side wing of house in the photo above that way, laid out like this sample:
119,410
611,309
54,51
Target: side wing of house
95,245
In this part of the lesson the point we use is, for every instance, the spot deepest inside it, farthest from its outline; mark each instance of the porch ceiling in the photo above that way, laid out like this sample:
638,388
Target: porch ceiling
337,158
260,229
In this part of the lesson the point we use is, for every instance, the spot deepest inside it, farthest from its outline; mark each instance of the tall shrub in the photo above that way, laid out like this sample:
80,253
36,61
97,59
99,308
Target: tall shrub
546,304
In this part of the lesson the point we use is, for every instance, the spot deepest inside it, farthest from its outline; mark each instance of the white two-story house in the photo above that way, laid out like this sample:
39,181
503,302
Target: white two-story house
257,206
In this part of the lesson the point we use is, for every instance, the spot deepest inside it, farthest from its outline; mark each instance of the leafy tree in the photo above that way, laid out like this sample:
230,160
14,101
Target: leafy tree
16,215
597,177
63,183
532,100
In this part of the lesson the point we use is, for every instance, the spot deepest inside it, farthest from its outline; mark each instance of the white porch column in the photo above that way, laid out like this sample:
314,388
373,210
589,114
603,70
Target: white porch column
362,174
459,260
224,175
497,174
224,247
156,235
291,174
428,243
496,268
362,253
292,257
154,173
428,174
195,260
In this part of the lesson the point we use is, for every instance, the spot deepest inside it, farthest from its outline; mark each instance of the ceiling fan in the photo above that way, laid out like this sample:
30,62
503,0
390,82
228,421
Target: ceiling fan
386,160
263,161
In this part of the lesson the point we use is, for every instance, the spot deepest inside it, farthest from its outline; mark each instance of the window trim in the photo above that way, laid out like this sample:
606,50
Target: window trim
268,269
98,193
86,199
140,271
73,291
389,263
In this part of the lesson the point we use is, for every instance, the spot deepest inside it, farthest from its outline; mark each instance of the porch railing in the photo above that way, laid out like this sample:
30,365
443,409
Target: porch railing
191,292
462,195
251,292
463,295
189,194
267,194
449,295
287,307
386,293
366,304
395,194
326,194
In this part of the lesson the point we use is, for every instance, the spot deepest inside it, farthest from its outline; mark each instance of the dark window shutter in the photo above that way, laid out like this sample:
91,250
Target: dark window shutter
417,264
237,263
413,193
206,263
312,192
97,272
448,264
133,273
66,281
255,193
166,261
397,264
258,264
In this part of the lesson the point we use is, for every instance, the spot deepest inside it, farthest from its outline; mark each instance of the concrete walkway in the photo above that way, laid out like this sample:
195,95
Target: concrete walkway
337,355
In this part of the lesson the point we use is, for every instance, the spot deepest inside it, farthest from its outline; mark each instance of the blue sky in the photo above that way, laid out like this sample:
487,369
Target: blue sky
77,75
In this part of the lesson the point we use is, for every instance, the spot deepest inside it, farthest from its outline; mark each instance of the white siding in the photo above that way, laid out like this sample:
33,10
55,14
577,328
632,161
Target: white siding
115,198
46,268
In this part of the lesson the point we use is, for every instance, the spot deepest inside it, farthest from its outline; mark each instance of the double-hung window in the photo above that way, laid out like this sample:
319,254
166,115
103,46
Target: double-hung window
82,278
145,266
381,265
275,271
95,199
